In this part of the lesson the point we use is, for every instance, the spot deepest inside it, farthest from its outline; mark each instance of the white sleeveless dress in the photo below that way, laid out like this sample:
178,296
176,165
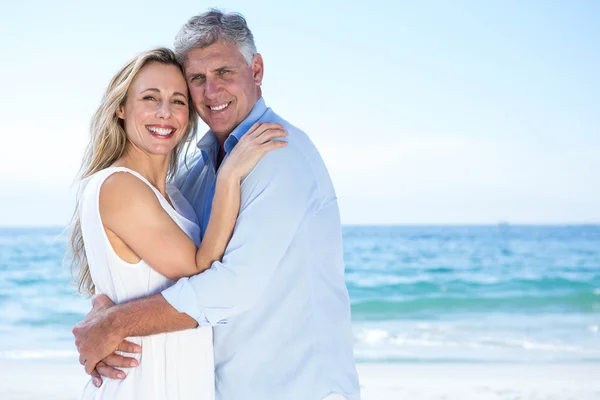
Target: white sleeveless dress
177,365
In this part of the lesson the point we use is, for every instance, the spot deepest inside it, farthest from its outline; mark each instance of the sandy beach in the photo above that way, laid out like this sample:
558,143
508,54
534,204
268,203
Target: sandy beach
33,380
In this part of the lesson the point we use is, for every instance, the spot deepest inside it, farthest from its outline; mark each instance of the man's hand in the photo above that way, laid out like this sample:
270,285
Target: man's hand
97,338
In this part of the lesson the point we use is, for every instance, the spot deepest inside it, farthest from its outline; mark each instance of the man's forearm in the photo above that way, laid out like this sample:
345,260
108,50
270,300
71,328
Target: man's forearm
148,316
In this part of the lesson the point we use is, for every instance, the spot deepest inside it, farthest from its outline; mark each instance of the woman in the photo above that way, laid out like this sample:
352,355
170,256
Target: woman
134,233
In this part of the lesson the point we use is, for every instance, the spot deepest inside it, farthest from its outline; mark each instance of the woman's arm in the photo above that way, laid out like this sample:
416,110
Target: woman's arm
225,209
226,202
132,212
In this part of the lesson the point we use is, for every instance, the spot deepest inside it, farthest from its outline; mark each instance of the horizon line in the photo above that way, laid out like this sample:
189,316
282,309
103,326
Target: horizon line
389,225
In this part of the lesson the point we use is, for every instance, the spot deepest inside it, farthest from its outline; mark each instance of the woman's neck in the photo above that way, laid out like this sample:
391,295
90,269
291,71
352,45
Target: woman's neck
152,167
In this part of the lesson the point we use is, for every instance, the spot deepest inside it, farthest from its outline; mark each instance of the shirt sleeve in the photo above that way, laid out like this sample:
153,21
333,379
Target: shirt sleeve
277,197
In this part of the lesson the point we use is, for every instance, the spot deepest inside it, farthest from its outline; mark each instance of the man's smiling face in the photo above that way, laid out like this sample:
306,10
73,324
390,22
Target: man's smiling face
223,86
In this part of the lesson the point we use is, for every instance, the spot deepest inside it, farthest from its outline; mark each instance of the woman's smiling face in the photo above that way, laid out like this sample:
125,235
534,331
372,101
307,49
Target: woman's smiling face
155,114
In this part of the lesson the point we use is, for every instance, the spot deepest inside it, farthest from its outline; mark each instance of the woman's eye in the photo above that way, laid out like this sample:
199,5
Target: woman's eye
179,102
149,98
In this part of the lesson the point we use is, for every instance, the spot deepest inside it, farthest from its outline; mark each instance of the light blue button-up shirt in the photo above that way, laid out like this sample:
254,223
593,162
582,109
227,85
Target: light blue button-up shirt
278,301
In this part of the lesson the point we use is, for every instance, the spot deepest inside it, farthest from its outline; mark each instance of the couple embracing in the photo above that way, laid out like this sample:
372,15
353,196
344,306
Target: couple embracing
217,276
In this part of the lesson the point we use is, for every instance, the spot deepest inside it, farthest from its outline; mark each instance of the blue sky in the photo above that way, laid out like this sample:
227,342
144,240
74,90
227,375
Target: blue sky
425,112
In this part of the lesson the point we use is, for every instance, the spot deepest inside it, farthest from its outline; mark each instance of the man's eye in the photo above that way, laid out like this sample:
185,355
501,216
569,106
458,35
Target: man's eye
224,71
198,79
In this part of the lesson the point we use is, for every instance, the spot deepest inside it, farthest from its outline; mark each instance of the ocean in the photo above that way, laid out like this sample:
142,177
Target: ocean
432,294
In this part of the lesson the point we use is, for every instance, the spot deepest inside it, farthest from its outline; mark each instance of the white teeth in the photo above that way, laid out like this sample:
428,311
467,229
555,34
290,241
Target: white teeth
160,131
219,108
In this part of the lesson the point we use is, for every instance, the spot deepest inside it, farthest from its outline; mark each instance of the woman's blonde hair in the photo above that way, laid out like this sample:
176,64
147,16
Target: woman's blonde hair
108,142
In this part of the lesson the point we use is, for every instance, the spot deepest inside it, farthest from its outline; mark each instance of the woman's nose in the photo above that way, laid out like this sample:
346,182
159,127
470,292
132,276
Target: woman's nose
164,110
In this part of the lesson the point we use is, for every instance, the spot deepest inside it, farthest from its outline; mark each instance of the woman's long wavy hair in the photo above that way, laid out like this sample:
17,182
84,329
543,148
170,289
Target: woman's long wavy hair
108,142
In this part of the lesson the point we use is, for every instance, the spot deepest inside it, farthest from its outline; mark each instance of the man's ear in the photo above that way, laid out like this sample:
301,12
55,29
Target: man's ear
258,69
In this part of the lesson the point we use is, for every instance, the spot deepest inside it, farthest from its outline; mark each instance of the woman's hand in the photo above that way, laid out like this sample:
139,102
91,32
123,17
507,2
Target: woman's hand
251,148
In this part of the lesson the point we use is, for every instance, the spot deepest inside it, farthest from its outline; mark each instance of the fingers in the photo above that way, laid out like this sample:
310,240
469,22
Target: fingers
253,128
109,372
101,300
118,361
128,347
90,365
108,368
260,127
270,135
260,139
272,145
96,301
76,333
96,378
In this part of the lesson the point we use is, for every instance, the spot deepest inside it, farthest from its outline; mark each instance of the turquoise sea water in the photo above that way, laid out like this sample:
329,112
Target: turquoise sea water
425,294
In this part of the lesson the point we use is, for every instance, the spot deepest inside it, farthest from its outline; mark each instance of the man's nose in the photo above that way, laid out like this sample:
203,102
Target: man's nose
211,88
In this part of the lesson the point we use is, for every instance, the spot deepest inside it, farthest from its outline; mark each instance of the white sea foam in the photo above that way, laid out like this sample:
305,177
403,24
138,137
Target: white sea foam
375,281
373,336
430,327
428,341
424,342
529,345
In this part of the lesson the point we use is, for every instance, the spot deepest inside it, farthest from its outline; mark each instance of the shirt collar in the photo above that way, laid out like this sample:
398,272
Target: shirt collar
257,111
209,146
209,143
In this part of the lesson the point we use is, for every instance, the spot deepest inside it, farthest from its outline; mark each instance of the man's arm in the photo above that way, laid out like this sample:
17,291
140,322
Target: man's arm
276,197
103,330
150,315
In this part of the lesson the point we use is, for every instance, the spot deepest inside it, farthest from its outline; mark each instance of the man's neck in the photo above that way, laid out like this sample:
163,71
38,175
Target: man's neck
222,137
221,154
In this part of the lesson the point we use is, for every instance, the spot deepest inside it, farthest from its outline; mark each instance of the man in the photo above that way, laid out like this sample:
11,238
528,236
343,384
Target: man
277,301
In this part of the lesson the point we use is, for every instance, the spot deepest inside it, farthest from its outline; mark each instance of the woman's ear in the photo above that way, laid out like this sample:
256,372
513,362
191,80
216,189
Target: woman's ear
121,112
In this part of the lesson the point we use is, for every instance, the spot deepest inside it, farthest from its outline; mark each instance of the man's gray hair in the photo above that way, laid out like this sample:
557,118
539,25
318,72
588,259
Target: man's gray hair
205,29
